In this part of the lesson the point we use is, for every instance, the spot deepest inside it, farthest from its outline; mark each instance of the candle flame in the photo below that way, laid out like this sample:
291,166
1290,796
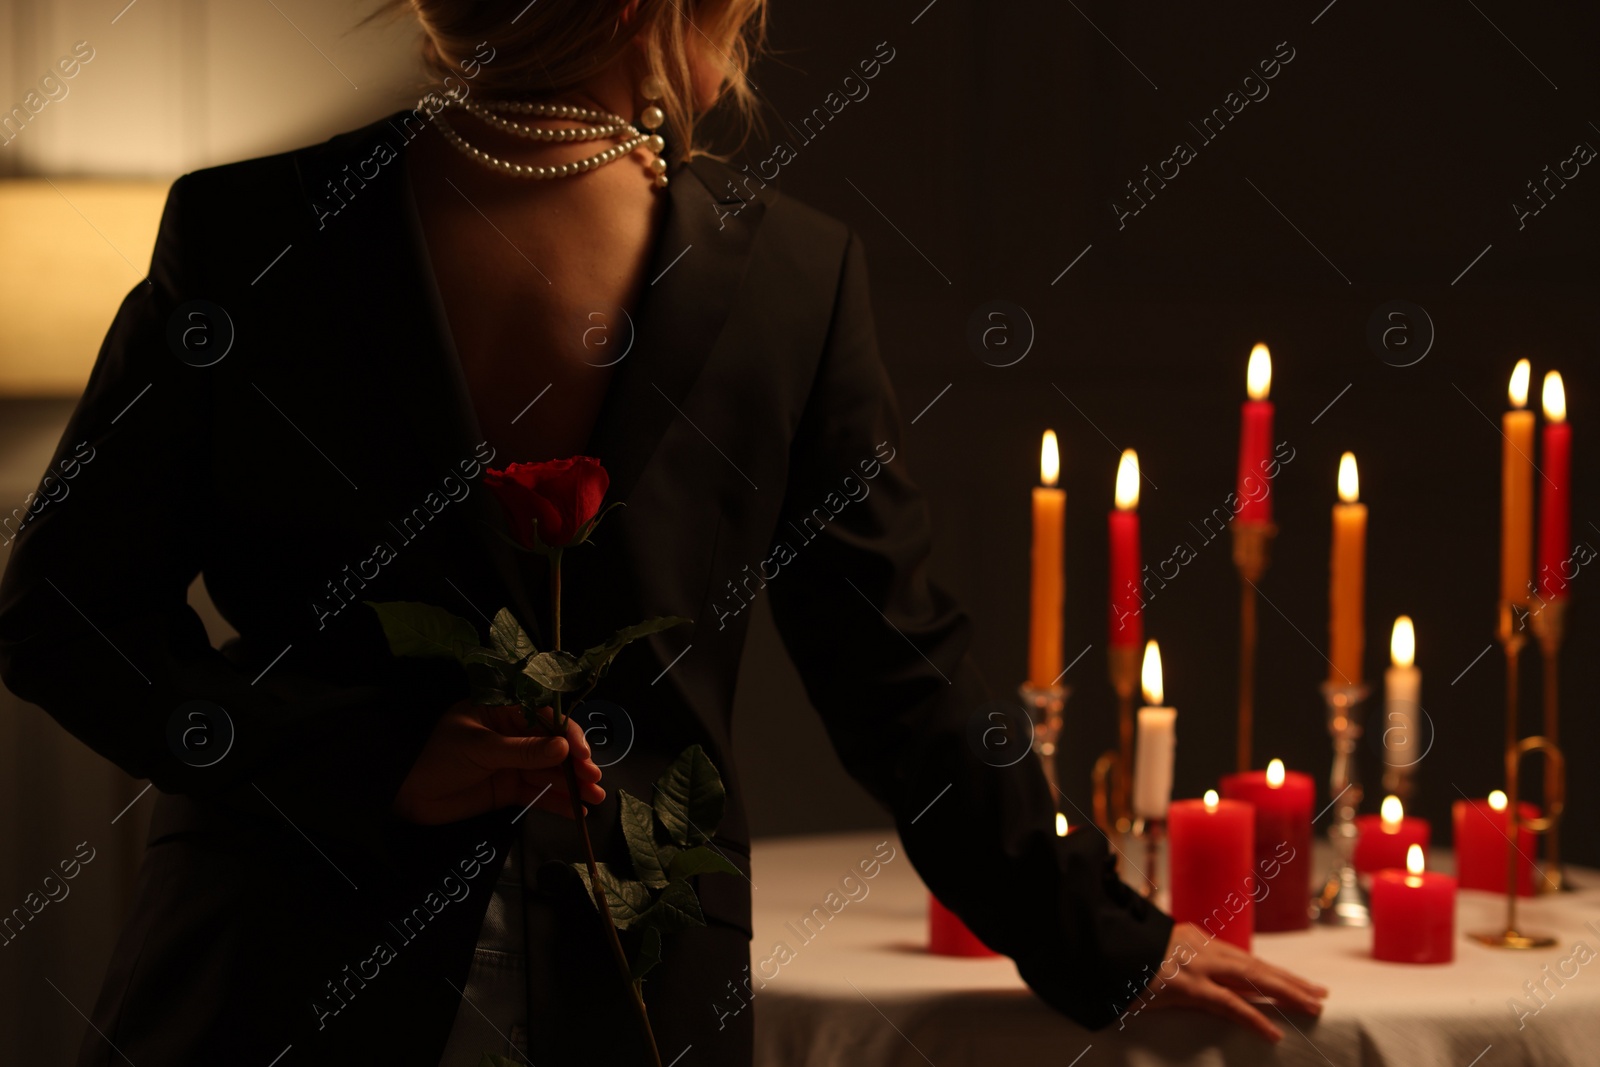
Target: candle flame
1049,459
1403,642
1150,675
1061,825
1555,397
1414,861
1519,383
1275,774
1211,800
1497,800
1258,375
1127,493
1391,811
1349,480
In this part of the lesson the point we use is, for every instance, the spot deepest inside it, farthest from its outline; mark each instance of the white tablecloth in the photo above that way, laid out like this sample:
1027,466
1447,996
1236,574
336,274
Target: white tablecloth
863,990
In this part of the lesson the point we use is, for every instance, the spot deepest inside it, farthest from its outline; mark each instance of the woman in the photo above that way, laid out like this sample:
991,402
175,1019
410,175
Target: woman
331,347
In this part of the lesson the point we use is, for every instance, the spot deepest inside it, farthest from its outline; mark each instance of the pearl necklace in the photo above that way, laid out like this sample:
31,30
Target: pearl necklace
604,125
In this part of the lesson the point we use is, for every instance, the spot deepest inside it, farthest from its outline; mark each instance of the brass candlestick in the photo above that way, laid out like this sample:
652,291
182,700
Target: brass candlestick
1045,705
1112,811
1252,544
1151,831
1549,626
1342,901
1555,772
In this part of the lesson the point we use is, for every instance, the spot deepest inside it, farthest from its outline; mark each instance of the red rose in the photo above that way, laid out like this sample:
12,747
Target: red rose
548,504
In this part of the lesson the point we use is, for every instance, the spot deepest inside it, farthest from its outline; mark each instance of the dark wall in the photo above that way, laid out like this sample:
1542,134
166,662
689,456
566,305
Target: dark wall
1383,165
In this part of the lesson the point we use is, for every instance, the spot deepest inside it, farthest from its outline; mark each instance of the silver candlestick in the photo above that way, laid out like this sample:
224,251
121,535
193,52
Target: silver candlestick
1342,901
1045,705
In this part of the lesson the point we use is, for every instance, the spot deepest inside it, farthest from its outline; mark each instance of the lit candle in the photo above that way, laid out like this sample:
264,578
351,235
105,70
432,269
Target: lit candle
1383,840
1213,853
1061,825
1282,802
1049,514
1555,492
1347,579
1127,606
1255,440
1152,778
1402,690
1480,844
1516,491
1413,914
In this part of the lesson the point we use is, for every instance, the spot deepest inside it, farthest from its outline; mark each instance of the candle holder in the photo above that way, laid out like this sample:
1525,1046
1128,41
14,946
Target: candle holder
1343,901
1151,832
1555,772
1549,626
1252,544
1113,771
1045,705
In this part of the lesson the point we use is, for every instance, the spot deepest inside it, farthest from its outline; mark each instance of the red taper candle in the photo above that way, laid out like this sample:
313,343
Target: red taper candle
1555,493
1255,441
1127,603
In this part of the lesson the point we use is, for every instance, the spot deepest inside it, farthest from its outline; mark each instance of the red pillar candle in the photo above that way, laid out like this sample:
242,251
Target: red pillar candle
1282,801
1555,493
1127,605
1212,844
1255,440
1383,840
1413,914
1481,843
949,936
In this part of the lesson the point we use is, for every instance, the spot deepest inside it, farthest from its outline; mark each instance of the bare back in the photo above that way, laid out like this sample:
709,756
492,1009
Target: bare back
533,274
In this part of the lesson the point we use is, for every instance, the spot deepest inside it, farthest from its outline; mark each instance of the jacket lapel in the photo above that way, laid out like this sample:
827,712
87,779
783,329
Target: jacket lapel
450,428
690,289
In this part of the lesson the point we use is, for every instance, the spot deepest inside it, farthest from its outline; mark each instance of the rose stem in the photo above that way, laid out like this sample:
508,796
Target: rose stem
579,815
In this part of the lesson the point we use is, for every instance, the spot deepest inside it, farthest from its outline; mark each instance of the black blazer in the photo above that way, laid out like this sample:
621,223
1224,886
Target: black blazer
332,456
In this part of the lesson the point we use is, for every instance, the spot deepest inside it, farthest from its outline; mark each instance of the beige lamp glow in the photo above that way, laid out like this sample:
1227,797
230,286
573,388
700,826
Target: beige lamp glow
70,250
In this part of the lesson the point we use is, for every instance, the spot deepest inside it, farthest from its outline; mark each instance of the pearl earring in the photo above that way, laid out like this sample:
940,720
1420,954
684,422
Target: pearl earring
651,119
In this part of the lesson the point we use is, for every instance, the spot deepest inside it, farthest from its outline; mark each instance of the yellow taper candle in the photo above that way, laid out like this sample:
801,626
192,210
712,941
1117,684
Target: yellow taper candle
1347,579
1049,582
1516,491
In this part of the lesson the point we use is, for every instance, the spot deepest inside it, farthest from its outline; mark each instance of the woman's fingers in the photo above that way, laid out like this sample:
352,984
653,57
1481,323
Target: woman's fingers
1219,1000
495,751
1259,976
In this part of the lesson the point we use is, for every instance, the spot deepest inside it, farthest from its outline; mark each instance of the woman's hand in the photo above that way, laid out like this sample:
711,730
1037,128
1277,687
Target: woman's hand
1201,971
481,758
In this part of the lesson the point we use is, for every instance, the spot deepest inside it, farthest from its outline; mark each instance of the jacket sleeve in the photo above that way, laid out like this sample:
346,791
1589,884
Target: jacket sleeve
95,627
883,654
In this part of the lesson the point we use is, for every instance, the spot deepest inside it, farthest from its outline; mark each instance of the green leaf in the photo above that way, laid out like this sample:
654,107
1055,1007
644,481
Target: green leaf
677,908
702,860
639,827
649,953
595,660
423,630
587,528
530,694
626,898
510,641
689,798
557,671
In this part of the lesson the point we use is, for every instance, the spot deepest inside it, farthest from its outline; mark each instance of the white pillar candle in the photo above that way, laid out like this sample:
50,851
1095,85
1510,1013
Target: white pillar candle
1152,779
1402,688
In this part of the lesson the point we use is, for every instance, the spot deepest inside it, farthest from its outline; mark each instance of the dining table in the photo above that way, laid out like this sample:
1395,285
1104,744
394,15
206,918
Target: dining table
848,979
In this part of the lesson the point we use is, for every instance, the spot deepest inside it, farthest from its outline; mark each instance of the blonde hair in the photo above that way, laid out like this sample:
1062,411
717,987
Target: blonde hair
552,45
